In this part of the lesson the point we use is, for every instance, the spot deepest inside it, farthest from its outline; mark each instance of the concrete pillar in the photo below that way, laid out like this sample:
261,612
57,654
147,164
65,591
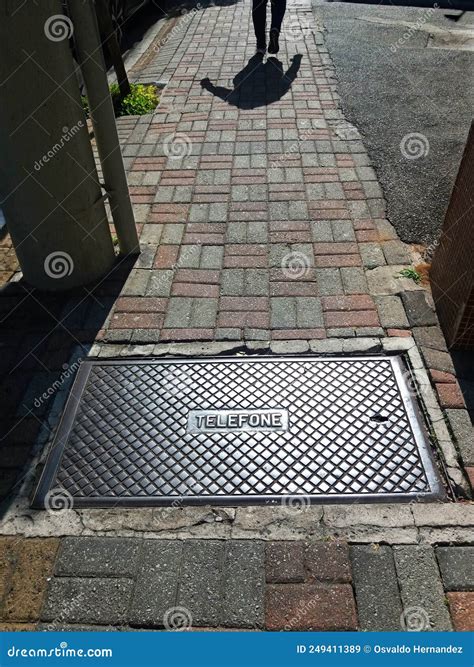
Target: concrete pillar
49,187
89,53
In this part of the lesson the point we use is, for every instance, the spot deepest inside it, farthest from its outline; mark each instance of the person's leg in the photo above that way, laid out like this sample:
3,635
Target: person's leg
259,16
278,12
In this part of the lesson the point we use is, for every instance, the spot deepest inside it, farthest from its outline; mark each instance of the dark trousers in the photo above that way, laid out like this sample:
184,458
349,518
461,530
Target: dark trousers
259,15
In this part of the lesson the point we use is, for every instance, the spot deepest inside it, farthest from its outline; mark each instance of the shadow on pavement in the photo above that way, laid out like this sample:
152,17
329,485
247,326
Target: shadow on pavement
43,337
258,83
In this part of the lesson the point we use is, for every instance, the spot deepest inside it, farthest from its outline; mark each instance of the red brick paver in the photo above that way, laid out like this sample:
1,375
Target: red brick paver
310,607
461,606
308,586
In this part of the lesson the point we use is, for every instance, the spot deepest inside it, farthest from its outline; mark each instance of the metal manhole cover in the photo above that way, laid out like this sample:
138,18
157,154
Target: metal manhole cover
241,430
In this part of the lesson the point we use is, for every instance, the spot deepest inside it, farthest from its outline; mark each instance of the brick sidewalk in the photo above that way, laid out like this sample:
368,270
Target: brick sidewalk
120,583
261,224
260,214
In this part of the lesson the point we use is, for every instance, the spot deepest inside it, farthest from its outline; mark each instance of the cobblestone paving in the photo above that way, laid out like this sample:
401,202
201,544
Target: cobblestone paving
103,582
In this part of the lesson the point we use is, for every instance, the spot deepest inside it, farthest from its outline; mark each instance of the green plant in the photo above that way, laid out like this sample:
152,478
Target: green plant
142,99
411,273
85,104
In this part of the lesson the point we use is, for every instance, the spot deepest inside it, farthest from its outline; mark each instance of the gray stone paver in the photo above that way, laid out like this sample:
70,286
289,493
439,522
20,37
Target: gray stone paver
457,567
464,433
94,556
88,600
421,588
200,582
156,582
391,312
419,311
376,588
243,580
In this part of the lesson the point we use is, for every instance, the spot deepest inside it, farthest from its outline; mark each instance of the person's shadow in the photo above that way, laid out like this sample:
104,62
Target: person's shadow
258,84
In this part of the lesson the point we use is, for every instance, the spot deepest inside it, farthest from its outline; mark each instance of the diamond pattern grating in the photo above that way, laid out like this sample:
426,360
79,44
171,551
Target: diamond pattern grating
353,433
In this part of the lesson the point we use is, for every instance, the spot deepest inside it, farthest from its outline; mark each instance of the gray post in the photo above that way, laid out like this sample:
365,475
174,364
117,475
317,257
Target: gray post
89,53
50,191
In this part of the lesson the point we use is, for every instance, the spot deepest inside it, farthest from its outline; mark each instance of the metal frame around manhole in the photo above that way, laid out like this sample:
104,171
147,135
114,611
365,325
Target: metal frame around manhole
66,427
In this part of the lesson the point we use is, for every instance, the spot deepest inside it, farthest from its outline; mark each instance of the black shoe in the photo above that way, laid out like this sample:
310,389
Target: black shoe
261,48
273,46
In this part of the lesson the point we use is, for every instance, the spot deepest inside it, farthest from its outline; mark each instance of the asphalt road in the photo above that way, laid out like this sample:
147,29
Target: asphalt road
394,83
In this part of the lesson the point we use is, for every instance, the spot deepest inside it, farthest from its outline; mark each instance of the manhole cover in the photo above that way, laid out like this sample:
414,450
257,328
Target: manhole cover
241,430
